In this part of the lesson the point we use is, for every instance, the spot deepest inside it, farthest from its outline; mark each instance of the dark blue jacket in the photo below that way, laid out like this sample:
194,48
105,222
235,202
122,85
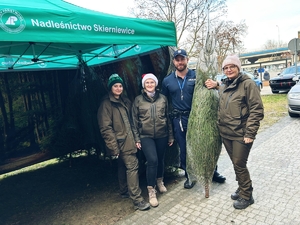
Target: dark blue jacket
172,85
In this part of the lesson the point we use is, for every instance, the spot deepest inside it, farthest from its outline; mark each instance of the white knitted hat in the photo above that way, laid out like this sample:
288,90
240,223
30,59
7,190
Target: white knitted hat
149,76
232,59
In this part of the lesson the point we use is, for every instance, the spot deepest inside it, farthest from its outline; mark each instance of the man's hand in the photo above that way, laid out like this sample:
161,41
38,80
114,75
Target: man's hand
138,145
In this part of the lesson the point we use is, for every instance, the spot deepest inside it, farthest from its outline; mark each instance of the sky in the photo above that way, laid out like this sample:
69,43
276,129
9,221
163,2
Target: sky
276,20
266,20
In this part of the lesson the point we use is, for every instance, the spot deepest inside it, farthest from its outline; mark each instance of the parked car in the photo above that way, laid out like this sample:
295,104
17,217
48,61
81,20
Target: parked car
220,77
258,82
284,81
256,79
293,97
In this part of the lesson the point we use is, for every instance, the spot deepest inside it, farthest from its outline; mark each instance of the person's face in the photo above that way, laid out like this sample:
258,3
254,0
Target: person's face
117,89
231,71
150,85
180,63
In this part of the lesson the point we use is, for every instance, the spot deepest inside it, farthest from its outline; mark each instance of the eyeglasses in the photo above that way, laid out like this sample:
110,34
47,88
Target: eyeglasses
229,67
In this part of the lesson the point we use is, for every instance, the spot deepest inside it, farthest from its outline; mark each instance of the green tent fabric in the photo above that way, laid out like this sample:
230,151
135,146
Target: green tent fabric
55,34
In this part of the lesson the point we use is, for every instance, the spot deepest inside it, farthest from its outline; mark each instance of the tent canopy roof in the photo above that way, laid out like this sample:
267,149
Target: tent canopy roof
57,33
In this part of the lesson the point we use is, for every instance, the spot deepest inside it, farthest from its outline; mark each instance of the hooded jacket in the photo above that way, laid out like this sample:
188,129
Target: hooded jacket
115,125
240,108
150,117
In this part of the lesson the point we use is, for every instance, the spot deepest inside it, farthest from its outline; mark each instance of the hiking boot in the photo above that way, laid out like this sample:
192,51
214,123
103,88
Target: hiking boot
152,196
142,205
188,184
236,194
160,185
242,203
218,177
125,195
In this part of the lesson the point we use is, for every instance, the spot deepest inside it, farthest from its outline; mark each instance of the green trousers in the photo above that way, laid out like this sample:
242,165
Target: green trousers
128,176
238,152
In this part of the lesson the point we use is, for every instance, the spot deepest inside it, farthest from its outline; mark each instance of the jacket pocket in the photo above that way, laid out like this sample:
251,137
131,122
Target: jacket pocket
121,143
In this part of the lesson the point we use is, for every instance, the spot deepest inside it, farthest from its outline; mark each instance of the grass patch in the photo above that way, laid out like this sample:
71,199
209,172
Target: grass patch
275,107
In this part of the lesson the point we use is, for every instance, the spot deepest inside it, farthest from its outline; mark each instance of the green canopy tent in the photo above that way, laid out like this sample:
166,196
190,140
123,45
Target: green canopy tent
55,34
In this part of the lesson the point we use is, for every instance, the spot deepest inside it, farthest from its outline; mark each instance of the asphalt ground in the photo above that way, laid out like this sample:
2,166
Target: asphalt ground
266,90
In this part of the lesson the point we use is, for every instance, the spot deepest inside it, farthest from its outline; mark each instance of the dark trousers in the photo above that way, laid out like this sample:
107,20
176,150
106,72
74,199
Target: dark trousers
238,152
129,177
180,136
154,151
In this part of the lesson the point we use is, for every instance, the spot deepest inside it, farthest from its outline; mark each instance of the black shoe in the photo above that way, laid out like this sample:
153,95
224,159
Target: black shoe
125,195
142,205
235,195
218,178
242,203
189,185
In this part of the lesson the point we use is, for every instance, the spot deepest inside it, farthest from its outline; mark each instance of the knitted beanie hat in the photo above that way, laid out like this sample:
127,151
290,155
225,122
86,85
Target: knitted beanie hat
149,76
232,59
113,79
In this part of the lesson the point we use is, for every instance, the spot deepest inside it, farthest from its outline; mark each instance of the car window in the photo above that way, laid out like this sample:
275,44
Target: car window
219,77
250,75
290,70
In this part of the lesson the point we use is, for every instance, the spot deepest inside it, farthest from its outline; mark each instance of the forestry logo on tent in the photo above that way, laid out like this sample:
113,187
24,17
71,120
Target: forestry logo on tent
11,21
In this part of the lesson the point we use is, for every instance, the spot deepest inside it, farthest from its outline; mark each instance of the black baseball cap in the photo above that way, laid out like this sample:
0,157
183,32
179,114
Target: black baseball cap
180,52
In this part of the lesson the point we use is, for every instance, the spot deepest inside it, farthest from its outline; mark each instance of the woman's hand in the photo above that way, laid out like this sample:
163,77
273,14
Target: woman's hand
210,84
170,143
248,140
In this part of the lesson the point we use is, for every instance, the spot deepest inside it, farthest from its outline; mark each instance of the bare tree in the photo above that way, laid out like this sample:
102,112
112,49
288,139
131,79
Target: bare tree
189,16
229,39
192,24
271,44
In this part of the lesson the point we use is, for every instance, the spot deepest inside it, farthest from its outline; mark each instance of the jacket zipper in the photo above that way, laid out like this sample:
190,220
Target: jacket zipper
153,115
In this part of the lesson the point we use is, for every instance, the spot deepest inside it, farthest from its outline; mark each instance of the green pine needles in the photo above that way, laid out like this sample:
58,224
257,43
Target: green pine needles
203,138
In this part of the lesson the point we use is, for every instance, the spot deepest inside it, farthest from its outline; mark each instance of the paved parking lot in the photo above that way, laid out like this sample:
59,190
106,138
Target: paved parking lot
274,165
266,90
